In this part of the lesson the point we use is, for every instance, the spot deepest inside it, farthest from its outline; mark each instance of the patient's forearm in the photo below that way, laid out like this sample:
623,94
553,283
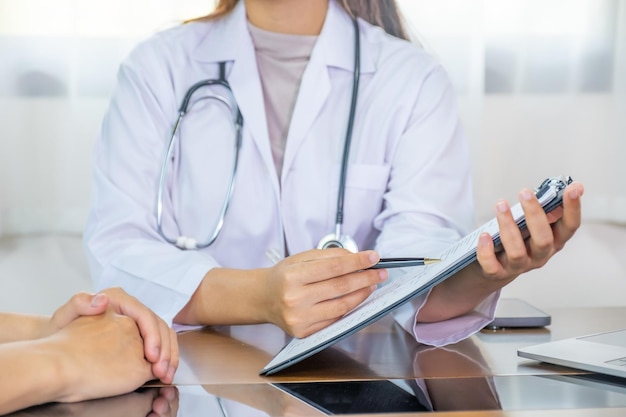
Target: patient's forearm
32,374
17,327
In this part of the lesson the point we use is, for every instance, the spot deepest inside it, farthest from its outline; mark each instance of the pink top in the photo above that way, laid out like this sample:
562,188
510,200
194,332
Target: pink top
281,60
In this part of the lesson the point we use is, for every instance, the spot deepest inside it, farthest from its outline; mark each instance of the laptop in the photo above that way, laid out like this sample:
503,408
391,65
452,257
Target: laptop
603,353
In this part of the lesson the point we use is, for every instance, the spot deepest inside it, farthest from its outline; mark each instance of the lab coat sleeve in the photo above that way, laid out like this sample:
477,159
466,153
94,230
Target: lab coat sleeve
429,202
122,243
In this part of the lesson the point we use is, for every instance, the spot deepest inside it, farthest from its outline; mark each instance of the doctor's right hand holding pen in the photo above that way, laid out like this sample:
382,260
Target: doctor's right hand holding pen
301,294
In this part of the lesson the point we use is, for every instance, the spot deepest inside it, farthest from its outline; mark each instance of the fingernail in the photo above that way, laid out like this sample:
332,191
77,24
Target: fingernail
97,300
374,258
502,206
526,195
573,193
483,240
383,274
153,353
170,375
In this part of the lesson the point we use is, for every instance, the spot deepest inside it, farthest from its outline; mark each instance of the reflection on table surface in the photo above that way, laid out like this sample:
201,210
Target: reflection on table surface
218,375
157,401
235,354
579,395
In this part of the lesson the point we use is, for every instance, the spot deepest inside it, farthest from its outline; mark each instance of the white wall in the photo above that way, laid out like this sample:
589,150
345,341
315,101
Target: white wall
541,92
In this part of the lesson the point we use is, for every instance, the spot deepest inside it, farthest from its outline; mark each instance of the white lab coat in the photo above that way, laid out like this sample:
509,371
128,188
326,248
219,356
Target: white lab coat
408,188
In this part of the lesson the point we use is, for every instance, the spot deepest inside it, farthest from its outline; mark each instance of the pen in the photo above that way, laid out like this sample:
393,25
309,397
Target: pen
403,262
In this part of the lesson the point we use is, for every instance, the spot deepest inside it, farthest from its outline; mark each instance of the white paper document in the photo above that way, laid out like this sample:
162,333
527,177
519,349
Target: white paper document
416,281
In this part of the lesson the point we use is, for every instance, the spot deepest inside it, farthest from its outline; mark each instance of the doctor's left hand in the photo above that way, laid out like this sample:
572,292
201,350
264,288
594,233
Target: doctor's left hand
309,291
548,234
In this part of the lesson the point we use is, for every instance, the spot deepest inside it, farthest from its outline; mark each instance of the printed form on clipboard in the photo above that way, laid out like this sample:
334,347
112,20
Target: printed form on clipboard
414,282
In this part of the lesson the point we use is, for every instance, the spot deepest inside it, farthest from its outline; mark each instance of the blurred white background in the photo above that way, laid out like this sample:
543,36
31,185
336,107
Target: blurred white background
541,87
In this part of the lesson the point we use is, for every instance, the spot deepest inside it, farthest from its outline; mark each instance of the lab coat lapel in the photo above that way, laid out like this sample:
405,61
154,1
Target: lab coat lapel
334,48
246,86
313,92
230,41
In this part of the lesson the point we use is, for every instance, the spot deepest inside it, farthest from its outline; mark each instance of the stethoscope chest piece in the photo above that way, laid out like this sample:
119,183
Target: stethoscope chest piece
333,240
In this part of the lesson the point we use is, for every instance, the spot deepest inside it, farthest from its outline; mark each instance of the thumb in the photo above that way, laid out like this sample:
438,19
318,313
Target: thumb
98,305
81,304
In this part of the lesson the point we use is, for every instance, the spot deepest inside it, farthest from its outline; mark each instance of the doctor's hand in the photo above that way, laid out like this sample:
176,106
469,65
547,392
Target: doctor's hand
160,341
308,291
494,269
548,235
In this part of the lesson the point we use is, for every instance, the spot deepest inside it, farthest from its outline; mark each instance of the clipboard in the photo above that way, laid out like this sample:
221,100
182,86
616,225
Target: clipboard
413,282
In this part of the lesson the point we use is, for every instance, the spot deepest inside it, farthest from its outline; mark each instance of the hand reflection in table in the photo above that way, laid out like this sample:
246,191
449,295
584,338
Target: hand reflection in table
145,402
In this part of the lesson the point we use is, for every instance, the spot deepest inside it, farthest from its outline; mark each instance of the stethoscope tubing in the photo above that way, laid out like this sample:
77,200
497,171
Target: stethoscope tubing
338,239
333,240
184,242
348,141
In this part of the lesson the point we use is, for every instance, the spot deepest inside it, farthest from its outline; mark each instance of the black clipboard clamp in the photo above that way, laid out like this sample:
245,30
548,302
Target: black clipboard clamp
554,183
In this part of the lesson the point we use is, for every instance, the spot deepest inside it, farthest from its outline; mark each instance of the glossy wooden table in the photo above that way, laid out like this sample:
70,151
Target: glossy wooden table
235,354
219,376
226,362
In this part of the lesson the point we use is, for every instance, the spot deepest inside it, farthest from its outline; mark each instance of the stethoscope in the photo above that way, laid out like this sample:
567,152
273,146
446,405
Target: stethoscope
337,239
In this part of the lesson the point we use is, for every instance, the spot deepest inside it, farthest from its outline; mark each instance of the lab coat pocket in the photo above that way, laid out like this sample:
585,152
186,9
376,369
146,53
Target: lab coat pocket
365,187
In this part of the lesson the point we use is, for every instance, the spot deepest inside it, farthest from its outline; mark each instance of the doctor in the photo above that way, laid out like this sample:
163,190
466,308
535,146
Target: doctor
306,91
